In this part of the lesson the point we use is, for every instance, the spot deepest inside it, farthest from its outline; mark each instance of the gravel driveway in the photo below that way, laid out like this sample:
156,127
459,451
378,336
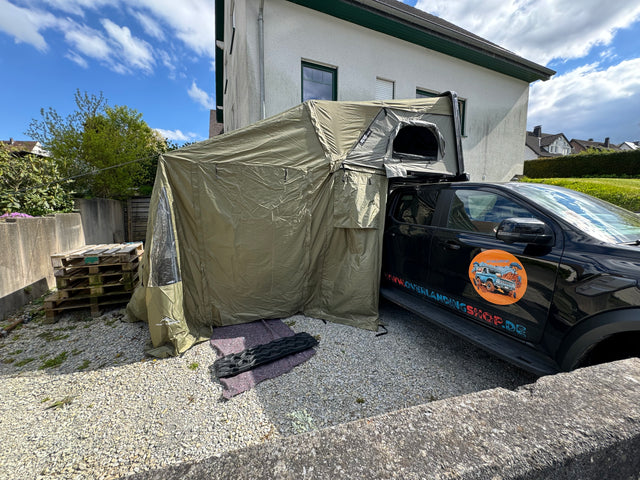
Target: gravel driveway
79,399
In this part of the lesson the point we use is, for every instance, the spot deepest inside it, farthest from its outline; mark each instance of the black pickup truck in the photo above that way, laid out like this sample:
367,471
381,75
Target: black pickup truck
541,276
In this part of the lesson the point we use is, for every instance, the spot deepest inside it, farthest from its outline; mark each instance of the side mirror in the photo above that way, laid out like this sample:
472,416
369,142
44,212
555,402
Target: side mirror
524,230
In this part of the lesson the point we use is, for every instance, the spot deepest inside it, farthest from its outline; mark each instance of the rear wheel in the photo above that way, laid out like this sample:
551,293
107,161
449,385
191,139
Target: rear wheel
616,347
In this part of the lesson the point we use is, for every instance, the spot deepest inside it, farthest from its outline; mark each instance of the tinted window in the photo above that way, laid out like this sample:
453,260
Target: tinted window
480,211
416,207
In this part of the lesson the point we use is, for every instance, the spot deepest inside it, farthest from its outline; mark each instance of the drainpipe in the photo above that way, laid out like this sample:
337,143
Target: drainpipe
261,58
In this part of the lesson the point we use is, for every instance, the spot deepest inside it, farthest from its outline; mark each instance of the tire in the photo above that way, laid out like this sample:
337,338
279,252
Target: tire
489,286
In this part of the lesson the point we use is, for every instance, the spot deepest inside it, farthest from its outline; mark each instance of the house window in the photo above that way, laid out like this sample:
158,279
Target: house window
462,106
319,82
385,89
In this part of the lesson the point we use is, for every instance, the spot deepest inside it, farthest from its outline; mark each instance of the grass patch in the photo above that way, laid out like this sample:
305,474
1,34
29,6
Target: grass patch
84,365
624,192
61,403
52,336
24,362
193,366
54,362
17,352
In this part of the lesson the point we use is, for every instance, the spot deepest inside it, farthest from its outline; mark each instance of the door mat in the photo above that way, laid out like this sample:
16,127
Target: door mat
236,338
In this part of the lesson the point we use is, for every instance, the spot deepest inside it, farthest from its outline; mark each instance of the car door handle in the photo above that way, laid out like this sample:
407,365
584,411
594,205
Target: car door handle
450,245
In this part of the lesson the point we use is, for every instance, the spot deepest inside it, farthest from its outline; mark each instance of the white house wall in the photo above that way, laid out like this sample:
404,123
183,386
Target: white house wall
496,103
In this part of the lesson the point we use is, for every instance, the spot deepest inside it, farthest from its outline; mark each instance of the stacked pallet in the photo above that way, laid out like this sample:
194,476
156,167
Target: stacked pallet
95,277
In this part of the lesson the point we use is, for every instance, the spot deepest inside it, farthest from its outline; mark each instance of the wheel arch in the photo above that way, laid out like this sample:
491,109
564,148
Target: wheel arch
582,338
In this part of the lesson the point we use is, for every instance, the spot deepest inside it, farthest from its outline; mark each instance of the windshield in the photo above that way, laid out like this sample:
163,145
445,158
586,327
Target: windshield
598,218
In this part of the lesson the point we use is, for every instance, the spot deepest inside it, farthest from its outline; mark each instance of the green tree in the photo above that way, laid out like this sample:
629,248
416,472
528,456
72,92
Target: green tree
33,185
109,151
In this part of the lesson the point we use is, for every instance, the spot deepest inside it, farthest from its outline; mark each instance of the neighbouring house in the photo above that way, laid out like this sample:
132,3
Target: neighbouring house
581,145
629,146
273,54
543,145
23,147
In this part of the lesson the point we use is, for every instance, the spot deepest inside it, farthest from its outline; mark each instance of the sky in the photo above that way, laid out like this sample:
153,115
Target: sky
157,56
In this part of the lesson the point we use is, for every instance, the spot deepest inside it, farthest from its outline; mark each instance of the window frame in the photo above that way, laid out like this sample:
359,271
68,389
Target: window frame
323,68
393,88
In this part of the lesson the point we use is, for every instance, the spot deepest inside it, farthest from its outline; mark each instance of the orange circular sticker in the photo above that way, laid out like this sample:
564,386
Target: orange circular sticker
498,277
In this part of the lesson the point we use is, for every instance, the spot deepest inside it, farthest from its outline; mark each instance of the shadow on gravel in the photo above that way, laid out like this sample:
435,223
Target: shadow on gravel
74,343
356,374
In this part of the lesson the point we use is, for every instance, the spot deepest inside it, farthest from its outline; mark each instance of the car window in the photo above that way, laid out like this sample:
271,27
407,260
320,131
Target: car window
416,207
482,211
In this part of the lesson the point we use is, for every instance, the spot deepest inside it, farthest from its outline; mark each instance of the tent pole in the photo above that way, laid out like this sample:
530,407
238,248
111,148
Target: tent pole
261,58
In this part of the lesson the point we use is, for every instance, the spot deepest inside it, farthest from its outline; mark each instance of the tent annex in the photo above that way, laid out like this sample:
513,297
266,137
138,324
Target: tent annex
284,216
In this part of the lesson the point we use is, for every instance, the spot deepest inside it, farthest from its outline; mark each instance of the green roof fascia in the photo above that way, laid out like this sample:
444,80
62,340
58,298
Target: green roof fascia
395,27
219,61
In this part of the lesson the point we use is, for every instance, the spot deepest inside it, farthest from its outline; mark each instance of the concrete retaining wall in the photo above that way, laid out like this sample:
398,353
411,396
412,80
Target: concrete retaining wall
26,245
102,220
584,424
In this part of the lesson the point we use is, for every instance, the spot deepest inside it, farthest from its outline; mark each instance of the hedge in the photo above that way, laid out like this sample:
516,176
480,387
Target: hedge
615,164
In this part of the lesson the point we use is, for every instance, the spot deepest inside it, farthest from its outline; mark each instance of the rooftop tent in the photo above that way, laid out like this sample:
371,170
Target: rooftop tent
283,216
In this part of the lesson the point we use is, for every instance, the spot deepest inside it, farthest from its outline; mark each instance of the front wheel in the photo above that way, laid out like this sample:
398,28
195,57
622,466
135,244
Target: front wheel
490,286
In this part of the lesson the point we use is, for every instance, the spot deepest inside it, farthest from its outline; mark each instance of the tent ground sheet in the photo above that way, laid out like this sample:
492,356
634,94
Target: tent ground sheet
236,338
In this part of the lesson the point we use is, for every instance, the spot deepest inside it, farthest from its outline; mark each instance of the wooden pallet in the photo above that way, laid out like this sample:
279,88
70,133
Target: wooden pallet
105,254
94,276
54,305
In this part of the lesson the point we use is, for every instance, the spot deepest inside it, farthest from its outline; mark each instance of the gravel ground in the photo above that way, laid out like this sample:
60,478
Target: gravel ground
79,399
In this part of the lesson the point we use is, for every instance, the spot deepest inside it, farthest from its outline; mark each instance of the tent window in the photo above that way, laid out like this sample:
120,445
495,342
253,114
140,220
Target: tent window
319,82
415,141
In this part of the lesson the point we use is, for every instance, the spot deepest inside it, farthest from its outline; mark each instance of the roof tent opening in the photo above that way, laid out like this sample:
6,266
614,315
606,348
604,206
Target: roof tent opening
415,142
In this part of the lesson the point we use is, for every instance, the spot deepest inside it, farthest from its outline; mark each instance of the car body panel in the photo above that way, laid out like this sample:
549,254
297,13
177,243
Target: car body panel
536,294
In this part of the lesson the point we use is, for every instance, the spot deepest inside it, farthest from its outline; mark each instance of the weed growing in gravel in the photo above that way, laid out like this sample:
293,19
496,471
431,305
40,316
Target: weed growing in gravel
301,421
61,403
84,365
290,323
45,400
54,362
193,366
52,336
75,352
8,360
22,363
17,352
359,400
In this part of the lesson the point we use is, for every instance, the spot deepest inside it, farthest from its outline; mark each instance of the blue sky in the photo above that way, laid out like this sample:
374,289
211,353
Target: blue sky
157,56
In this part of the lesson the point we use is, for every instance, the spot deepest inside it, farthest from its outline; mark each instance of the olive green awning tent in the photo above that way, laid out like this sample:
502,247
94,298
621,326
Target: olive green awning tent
284,216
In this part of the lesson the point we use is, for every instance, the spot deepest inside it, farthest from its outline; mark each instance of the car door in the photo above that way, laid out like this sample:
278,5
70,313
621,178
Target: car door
507,287
407,237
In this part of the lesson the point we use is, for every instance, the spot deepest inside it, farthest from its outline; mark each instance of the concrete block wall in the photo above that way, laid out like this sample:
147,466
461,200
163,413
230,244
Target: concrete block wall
102,220
26,245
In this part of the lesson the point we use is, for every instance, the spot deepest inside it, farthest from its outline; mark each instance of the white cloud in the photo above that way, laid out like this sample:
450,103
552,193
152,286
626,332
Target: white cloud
88,41
200,96
24,25
77,7
191,20
176,135
77,59
590,102
539,30
149,25
132,50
